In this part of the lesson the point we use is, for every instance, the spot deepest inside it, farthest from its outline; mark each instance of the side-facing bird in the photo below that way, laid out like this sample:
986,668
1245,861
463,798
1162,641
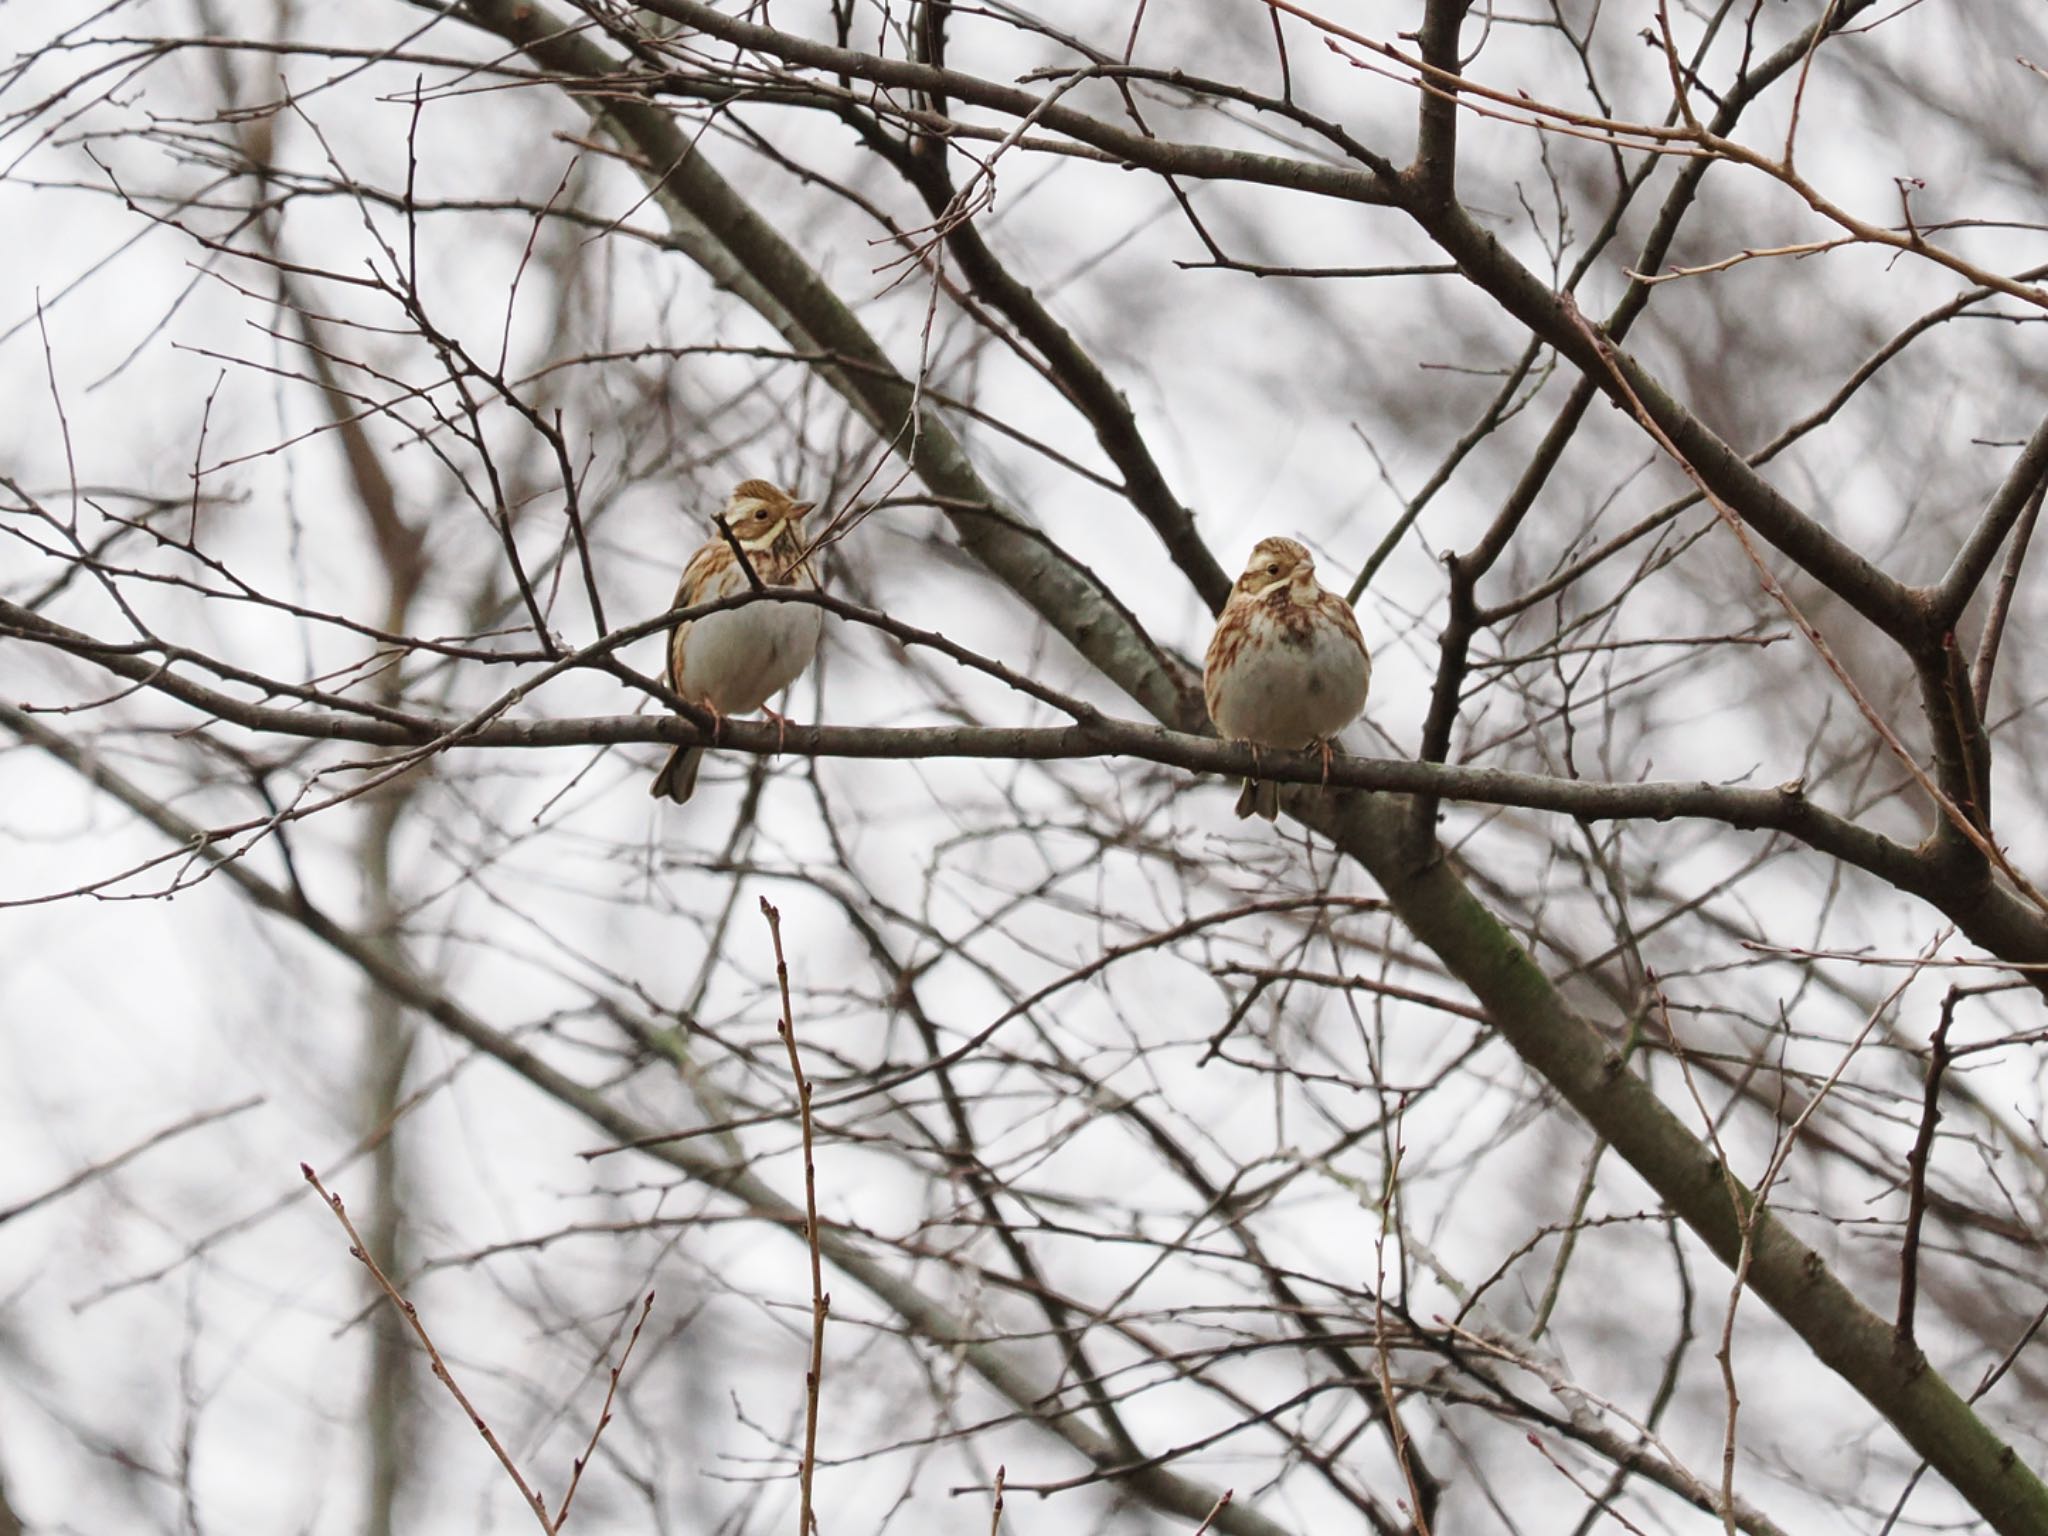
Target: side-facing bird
1287,667
733,662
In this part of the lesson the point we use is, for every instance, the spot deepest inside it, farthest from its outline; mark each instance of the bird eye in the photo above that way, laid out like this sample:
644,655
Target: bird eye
1273,570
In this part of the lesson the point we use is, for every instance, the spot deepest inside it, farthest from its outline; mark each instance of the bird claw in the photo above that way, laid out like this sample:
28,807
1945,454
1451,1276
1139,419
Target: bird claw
781,728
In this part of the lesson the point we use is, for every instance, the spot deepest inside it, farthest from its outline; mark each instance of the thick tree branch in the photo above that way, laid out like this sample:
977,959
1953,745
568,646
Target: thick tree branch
1434,174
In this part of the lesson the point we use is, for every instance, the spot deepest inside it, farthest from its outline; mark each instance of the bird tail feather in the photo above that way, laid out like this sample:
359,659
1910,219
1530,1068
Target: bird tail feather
677,780
1259,799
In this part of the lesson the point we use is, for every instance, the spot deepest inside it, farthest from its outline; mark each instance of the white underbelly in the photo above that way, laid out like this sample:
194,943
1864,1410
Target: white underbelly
1290,696
738,660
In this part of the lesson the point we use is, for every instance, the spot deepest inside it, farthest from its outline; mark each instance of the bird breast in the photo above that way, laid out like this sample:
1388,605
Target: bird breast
738,660
1300,683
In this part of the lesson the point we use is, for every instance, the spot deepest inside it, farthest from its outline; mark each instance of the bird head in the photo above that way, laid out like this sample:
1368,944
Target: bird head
1275,563
758,513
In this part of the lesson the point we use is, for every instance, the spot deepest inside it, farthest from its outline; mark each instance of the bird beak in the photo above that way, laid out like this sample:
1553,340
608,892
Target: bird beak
801,508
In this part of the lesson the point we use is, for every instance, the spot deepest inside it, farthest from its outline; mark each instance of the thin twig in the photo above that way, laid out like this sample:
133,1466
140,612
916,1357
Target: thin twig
107,1165
821,1303
604,1414
411,1315
57,399
1222,1503
1938,1058
1606,1505
1749,1206
1389,1214
739,551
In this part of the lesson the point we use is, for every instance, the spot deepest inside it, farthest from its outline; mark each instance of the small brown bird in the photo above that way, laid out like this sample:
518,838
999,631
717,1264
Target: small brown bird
734,662
1287,667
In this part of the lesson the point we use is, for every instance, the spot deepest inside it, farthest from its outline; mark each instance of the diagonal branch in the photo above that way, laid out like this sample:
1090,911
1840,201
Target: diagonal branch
2020,489
2001,602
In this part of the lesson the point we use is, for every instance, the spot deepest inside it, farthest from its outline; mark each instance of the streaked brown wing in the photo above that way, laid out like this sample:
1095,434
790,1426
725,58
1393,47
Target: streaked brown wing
1341,614
1224,645
711,573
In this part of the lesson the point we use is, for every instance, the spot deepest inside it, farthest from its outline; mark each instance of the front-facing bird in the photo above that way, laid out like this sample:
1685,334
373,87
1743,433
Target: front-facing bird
733,662
1287,668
